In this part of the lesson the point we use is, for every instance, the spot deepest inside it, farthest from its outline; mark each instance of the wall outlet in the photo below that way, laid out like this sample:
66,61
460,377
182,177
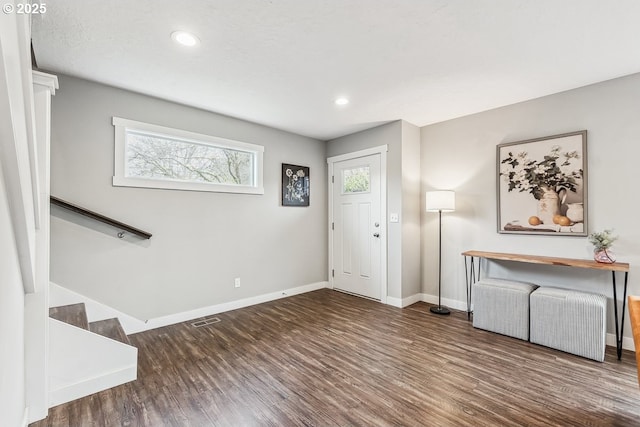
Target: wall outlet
236,282
394,217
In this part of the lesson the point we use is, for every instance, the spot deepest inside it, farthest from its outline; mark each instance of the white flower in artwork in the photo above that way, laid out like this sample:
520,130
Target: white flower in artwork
540,169
300,173
289,173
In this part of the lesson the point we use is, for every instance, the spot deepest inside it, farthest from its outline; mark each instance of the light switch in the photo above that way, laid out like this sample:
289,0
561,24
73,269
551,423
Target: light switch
393,217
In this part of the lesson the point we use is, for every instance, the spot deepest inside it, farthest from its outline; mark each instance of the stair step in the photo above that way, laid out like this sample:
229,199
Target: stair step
110,328
73,314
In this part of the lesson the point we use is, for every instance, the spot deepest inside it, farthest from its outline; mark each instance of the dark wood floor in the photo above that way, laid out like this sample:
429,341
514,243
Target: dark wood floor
325,358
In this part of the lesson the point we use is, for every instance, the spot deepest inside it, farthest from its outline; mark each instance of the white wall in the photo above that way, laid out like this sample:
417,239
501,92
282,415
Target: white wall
460,155
12,383
201,241
403,198
411,209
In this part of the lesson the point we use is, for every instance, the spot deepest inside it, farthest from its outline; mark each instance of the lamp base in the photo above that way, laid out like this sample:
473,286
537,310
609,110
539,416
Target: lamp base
440,309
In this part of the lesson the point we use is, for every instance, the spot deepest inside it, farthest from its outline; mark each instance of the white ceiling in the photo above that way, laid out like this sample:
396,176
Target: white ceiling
283,62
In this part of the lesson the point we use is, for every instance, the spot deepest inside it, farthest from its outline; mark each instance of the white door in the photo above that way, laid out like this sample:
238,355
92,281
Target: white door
357,228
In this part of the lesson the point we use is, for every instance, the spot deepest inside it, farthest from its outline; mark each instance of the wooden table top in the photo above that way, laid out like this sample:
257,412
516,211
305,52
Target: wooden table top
537,259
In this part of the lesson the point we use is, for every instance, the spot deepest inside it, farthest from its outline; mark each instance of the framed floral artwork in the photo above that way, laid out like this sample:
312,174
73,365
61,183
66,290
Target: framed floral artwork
295,185
542,185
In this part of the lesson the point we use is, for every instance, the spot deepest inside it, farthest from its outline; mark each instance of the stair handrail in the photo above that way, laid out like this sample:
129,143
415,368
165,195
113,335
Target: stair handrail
101,218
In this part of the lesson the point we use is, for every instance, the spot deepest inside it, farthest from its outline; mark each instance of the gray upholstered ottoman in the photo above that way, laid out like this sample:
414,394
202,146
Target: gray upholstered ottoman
570,321
502,306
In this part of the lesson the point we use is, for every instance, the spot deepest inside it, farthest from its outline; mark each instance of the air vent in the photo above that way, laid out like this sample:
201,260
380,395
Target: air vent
205,321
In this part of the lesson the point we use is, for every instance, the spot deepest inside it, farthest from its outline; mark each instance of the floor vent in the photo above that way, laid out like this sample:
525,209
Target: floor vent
205,321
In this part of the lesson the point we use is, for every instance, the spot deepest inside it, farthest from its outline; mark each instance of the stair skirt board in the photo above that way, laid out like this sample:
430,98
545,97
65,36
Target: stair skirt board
82,363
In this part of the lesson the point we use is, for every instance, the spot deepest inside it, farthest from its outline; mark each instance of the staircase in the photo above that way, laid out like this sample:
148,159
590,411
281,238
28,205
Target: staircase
85,358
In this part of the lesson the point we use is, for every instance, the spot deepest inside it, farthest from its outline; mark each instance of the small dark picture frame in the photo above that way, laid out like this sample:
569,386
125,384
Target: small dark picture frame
295,185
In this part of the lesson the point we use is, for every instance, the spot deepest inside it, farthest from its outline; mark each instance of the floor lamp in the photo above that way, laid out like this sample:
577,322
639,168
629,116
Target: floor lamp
440,201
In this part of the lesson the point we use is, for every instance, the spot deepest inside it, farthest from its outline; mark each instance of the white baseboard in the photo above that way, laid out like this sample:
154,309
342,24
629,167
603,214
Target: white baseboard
431,299
131,325
404,302
228,306
627,342
451,303
92,385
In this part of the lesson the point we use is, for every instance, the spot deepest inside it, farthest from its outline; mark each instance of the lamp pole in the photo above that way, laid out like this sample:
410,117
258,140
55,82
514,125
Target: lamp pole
440,309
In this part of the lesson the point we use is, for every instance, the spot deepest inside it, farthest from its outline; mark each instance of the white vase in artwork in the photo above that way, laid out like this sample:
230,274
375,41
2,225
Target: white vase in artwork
548,205
575,212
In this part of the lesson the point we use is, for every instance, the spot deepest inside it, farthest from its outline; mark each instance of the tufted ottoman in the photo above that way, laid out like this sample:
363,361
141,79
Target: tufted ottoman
502,306
570,321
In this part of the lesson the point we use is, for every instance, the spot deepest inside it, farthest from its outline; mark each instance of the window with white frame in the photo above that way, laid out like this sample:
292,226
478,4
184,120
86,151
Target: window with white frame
154,156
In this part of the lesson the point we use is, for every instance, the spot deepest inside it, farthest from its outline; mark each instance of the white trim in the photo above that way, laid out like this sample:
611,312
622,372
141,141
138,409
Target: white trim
360,153
167,184
185,134
383,221
451,303
330,272
382,150
131,325
24,60
404,302
16,157
36,305
120,179
627,342
231,305
33,145
25,418
48,81
90,386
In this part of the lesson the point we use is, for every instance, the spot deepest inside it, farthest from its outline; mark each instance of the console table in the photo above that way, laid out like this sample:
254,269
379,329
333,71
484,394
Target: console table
472,274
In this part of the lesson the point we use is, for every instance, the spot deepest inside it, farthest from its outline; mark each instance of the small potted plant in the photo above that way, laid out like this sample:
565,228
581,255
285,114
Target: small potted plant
602,242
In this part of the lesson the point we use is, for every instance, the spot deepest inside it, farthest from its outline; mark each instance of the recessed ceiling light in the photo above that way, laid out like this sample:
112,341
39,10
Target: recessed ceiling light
342,101
184,38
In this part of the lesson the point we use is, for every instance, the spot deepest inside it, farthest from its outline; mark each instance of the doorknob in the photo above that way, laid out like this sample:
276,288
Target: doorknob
376,234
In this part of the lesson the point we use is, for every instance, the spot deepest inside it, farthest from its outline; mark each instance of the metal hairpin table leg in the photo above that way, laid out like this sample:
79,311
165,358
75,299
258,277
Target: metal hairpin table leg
470,278
619,323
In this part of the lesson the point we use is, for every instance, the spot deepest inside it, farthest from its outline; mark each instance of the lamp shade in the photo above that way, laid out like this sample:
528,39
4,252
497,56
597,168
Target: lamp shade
442,200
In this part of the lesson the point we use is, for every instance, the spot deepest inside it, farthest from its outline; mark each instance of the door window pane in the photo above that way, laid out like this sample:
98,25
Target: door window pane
355,180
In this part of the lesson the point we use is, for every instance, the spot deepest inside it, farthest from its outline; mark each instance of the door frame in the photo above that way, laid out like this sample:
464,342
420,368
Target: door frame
382,150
